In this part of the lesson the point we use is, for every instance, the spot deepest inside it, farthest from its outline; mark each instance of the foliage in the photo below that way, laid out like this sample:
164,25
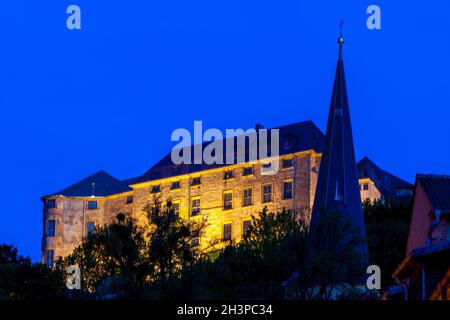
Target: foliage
387,225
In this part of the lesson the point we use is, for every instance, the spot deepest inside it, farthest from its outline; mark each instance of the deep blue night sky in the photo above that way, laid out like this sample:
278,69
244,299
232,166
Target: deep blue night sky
109,96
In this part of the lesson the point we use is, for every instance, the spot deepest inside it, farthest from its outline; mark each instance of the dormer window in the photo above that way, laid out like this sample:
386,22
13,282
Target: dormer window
228,175
247,171
156,188
195,181
288,163
175,185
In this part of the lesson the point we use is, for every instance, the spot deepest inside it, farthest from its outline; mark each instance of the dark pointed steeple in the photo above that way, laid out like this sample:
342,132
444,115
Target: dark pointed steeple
337,185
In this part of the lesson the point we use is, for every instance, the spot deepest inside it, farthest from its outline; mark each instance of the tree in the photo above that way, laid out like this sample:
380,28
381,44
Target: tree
115,252
387,224
171,246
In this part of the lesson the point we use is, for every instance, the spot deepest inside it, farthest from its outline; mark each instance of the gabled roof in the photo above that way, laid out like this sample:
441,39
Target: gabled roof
99,184
385,182
296,137
437,188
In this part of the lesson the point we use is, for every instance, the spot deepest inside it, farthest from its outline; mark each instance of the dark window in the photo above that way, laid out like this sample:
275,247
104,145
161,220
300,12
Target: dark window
50,230
156,188
51,203
227,232
228,175
287,190
175,185
245,227
176,208
196,181
366,186
50,258
92,205
248,197
195,207
267,165
247,171
129,199
267,193
227,201
195,238
288,163
90,228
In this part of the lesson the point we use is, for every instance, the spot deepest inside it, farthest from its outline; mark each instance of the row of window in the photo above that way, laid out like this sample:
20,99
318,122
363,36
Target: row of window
247,199
229,174
50,228
91,204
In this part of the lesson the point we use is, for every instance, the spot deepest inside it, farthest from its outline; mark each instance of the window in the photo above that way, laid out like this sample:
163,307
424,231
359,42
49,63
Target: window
248,171
50,258
227,200
195,206
90,228
156,188
175,185
227,232
228,175
267,193
288,163
366,186
245,227
50,230
267,165
176,207
51,203
195,238
129,200
248,197
195,181
92,205
287,189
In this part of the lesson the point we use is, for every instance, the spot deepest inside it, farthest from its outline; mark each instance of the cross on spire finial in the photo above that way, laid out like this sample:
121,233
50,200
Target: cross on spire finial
341,39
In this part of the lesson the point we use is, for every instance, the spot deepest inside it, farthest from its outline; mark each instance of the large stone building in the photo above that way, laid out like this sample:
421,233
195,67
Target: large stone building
226,195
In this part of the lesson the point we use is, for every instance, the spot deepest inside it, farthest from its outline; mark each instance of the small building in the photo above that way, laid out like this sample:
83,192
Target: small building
424,273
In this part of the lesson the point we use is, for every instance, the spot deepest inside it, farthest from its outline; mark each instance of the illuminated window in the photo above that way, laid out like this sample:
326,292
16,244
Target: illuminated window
129,200
227,200
366,186
51,203
92,205
50,230
248,197
90,228
287,189
195,206
267,193
196,181
227,232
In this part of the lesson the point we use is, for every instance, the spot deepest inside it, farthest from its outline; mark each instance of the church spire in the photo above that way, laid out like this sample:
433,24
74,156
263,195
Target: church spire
337,186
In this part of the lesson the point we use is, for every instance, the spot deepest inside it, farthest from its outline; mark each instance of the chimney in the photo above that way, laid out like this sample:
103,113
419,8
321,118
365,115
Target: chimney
259,127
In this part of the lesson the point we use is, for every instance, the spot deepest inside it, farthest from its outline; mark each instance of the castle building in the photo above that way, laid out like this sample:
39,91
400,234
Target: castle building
227,195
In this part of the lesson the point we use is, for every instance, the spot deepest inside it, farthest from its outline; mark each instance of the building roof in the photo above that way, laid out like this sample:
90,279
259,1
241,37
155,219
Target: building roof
337,185
385,182
437,188
296,137
99,184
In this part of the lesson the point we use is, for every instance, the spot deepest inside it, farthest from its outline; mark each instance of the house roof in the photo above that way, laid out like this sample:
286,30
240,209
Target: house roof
99,184
296,137
385,182
437,189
